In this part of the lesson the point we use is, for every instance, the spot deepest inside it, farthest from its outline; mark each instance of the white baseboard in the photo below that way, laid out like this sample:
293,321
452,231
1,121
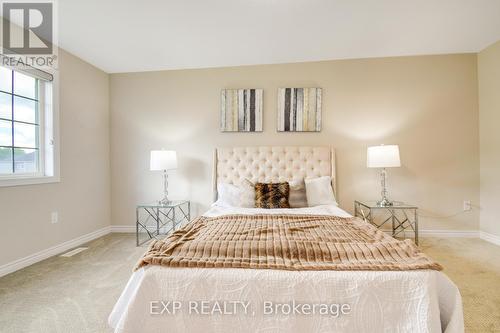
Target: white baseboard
123,228
132,229
422,233
442,233
489,237
52,251
449,233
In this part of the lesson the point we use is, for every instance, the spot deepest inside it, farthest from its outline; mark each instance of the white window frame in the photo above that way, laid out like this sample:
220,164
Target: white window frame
49,151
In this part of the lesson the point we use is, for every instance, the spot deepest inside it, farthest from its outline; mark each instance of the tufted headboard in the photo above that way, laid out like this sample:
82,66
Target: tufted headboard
272,164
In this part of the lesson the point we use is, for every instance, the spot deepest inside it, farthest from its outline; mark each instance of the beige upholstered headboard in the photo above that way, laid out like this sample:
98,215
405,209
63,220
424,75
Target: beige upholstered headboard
272,164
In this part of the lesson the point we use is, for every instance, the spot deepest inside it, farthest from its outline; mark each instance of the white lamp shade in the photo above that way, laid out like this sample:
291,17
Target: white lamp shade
163,160
383,157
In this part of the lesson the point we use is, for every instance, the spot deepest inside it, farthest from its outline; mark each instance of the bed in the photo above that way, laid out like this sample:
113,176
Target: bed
173,299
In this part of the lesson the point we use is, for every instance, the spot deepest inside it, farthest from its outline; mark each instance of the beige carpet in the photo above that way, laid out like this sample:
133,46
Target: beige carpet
76,294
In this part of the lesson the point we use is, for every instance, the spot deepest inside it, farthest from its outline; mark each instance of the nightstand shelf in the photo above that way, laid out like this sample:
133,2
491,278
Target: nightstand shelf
402,217
157,219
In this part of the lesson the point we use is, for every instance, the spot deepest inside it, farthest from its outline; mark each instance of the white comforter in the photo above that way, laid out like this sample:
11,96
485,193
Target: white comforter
379,301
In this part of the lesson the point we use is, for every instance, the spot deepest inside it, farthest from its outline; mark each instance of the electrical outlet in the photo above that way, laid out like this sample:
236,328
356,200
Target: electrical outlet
54,217
467,205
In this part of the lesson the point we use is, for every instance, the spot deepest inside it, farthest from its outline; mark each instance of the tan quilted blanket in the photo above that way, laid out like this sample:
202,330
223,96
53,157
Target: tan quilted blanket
289,242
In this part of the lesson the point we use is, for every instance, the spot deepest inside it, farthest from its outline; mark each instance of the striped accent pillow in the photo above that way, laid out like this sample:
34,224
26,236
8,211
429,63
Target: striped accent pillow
272,195
297,197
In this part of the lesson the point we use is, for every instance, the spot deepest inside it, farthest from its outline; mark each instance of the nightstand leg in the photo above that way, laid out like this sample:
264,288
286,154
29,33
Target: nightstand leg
137,226
416,227
173,220
157,221
393,224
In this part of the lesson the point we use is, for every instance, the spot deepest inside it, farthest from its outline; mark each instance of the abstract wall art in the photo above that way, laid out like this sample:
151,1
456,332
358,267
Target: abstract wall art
299,110
241,110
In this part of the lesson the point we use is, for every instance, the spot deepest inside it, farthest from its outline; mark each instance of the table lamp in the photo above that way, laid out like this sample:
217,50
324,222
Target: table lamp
383,157
163,160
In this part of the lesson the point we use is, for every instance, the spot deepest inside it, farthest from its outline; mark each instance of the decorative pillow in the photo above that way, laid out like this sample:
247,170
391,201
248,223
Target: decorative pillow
319,191
247,194
297,197
272,195
228,195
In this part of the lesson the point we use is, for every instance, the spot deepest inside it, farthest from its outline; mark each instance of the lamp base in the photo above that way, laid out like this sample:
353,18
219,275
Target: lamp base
385,203
165,201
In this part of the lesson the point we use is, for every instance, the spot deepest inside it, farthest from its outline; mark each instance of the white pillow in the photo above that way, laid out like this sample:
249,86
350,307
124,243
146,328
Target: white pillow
319,191
247,194
297,197
229,195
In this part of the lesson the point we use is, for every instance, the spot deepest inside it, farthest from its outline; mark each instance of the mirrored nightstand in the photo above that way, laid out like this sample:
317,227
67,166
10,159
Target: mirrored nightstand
155,219
402,217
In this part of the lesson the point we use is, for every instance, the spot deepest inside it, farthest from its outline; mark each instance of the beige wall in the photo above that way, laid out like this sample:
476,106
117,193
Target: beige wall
82,198
489,111
428,105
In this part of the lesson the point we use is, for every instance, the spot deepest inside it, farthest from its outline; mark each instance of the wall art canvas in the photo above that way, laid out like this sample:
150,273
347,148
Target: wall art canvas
299,109
241,110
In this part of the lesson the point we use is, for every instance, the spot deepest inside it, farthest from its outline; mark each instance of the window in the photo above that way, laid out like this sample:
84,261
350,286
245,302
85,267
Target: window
26,135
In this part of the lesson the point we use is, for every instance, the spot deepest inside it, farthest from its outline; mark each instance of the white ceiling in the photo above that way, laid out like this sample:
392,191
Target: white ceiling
129,36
